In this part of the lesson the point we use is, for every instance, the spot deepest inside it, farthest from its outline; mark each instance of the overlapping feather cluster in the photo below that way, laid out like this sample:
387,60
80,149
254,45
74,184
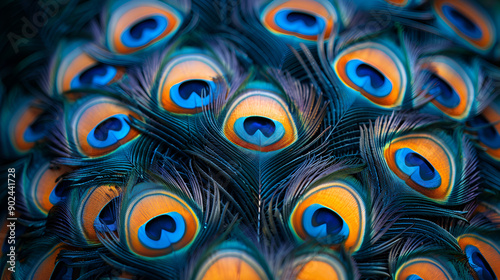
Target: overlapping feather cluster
242,139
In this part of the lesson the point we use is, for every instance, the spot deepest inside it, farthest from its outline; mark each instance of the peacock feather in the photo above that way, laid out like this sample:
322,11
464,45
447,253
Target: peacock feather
250,139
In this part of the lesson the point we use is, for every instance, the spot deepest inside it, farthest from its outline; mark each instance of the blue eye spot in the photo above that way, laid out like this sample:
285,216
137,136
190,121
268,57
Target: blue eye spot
417,168
35,131
59,192
192,94
479,264
108,216
306,18
319,221
259,130
376,78
299,22
98,75
186,89
487,133
137,29
162,231
265,125
144,31
443,92
465,25
102,130
414,277
109,131
368,78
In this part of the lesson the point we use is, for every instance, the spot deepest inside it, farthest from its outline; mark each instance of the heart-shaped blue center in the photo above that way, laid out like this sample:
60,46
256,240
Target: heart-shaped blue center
109,131
138,29
418,168
102,129
299,22
193,87
367,77
259,130
308,19
36,130
426,170
108,215
479,263
320,221
414,277
155,226
162,231
443,92
144,31
376,78
98,75
462,22
325,216
265,125
195,93
59,192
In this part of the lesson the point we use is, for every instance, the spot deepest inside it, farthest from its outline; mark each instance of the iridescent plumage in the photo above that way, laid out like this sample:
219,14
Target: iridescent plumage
241,139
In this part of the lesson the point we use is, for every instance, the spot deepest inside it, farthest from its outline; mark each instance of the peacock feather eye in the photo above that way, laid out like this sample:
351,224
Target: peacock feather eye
260,120
77,69
43,187
48,267
97,210
423,162
101,125
333,213
229,264
320,267
467,21
136,25
373,70
188,83
303,19
487,125
250,139
449,85
483,255
23,127
157,222
422,268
